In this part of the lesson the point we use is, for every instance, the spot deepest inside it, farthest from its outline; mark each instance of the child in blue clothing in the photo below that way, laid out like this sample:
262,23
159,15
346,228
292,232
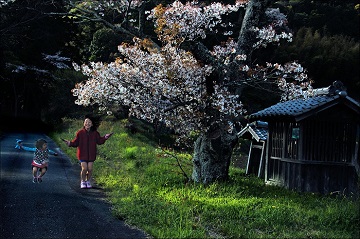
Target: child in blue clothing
30,149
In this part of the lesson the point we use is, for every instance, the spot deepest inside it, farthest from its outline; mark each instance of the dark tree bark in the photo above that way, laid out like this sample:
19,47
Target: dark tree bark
212,156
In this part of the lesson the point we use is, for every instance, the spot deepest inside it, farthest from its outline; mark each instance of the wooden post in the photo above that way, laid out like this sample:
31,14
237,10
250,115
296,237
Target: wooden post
249,156
261,158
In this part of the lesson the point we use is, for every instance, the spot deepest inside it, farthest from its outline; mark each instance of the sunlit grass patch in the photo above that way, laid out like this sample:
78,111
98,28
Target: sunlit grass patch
130,152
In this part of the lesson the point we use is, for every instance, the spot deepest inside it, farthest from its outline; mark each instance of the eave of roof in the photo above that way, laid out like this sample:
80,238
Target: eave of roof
300,109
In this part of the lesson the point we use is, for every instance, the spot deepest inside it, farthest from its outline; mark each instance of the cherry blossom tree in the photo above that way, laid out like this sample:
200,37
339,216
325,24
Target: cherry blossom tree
185,81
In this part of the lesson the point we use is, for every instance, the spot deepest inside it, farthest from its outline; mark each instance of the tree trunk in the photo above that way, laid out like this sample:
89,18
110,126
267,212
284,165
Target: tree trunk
212,156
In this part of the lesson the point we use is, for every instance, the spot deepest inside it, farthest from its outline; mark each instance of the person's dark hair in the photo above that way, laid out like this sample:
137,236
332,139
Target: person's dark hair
39,143
95,121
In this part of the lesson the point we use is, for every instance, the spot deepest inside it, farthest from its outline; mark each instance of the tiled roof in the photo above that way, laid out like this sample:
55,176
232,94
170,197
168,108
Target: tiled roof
258,130
300,108
261,132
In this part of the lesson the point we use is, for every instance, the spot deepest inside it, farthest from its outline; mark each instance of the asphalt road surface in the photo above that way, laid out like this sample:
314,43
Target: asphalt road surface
57,207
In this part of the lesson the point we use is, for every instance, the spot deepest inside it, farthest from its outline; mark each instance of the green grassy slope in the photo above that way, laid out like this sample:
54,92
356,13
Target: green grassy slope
148,190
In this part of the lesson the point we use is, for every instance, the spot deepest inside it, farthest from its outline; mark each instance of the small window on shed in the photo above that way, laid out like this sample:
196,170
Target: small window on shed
295,133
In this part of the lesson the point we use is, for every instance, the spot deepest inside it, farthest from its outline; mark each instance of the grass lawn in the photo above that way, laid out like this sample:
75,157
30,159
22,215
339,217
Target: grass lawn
147,189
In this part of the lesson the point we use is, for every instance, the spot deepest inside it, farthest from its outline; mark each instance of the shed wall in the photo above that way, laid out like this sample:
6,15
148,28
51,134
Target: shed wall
307,177
319,159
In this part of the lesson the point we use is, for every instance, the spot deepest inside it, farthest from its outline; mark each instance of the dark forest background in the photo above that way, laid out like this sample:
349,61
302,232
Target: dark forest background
37,50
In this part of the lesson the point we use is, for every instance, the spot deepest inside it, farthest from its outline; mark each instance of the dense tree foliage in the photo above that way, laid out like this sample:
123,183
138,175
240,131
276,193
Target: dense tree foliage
28,39
327,57
338,17
326,41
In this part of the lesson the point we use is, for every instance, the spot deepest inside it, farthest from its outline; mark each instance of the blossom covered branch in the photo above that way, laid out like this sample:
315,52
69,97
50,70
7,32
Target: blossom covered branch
169,84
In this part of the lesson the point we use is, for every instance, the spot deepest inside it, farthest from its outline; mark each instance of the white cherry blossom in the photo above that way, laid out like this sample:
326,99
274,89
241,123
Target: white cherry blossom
169,84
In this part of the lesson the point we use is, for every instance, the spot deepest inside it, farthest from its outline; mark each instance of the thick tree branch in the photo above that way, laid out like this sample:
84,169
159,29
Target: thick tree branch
254,10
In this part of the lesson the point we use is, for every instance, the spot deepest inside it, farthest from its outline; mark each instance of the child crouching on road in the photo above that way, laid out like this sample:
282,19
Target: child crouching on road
40,161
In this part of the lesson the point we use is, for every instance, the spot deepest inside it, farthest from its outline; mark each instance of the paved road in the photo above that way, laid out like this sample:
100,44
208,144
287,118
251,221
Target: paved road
55,208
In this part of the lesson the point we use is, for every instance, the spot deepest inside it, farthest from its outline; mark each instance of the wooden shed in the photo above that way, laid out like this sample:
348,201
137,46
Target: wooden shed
256,132
313,143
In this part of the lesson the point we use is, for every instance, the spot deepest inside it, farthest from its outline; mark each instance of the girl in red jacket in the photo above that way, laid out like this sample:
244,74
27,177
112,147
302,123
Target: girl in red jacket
86,141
